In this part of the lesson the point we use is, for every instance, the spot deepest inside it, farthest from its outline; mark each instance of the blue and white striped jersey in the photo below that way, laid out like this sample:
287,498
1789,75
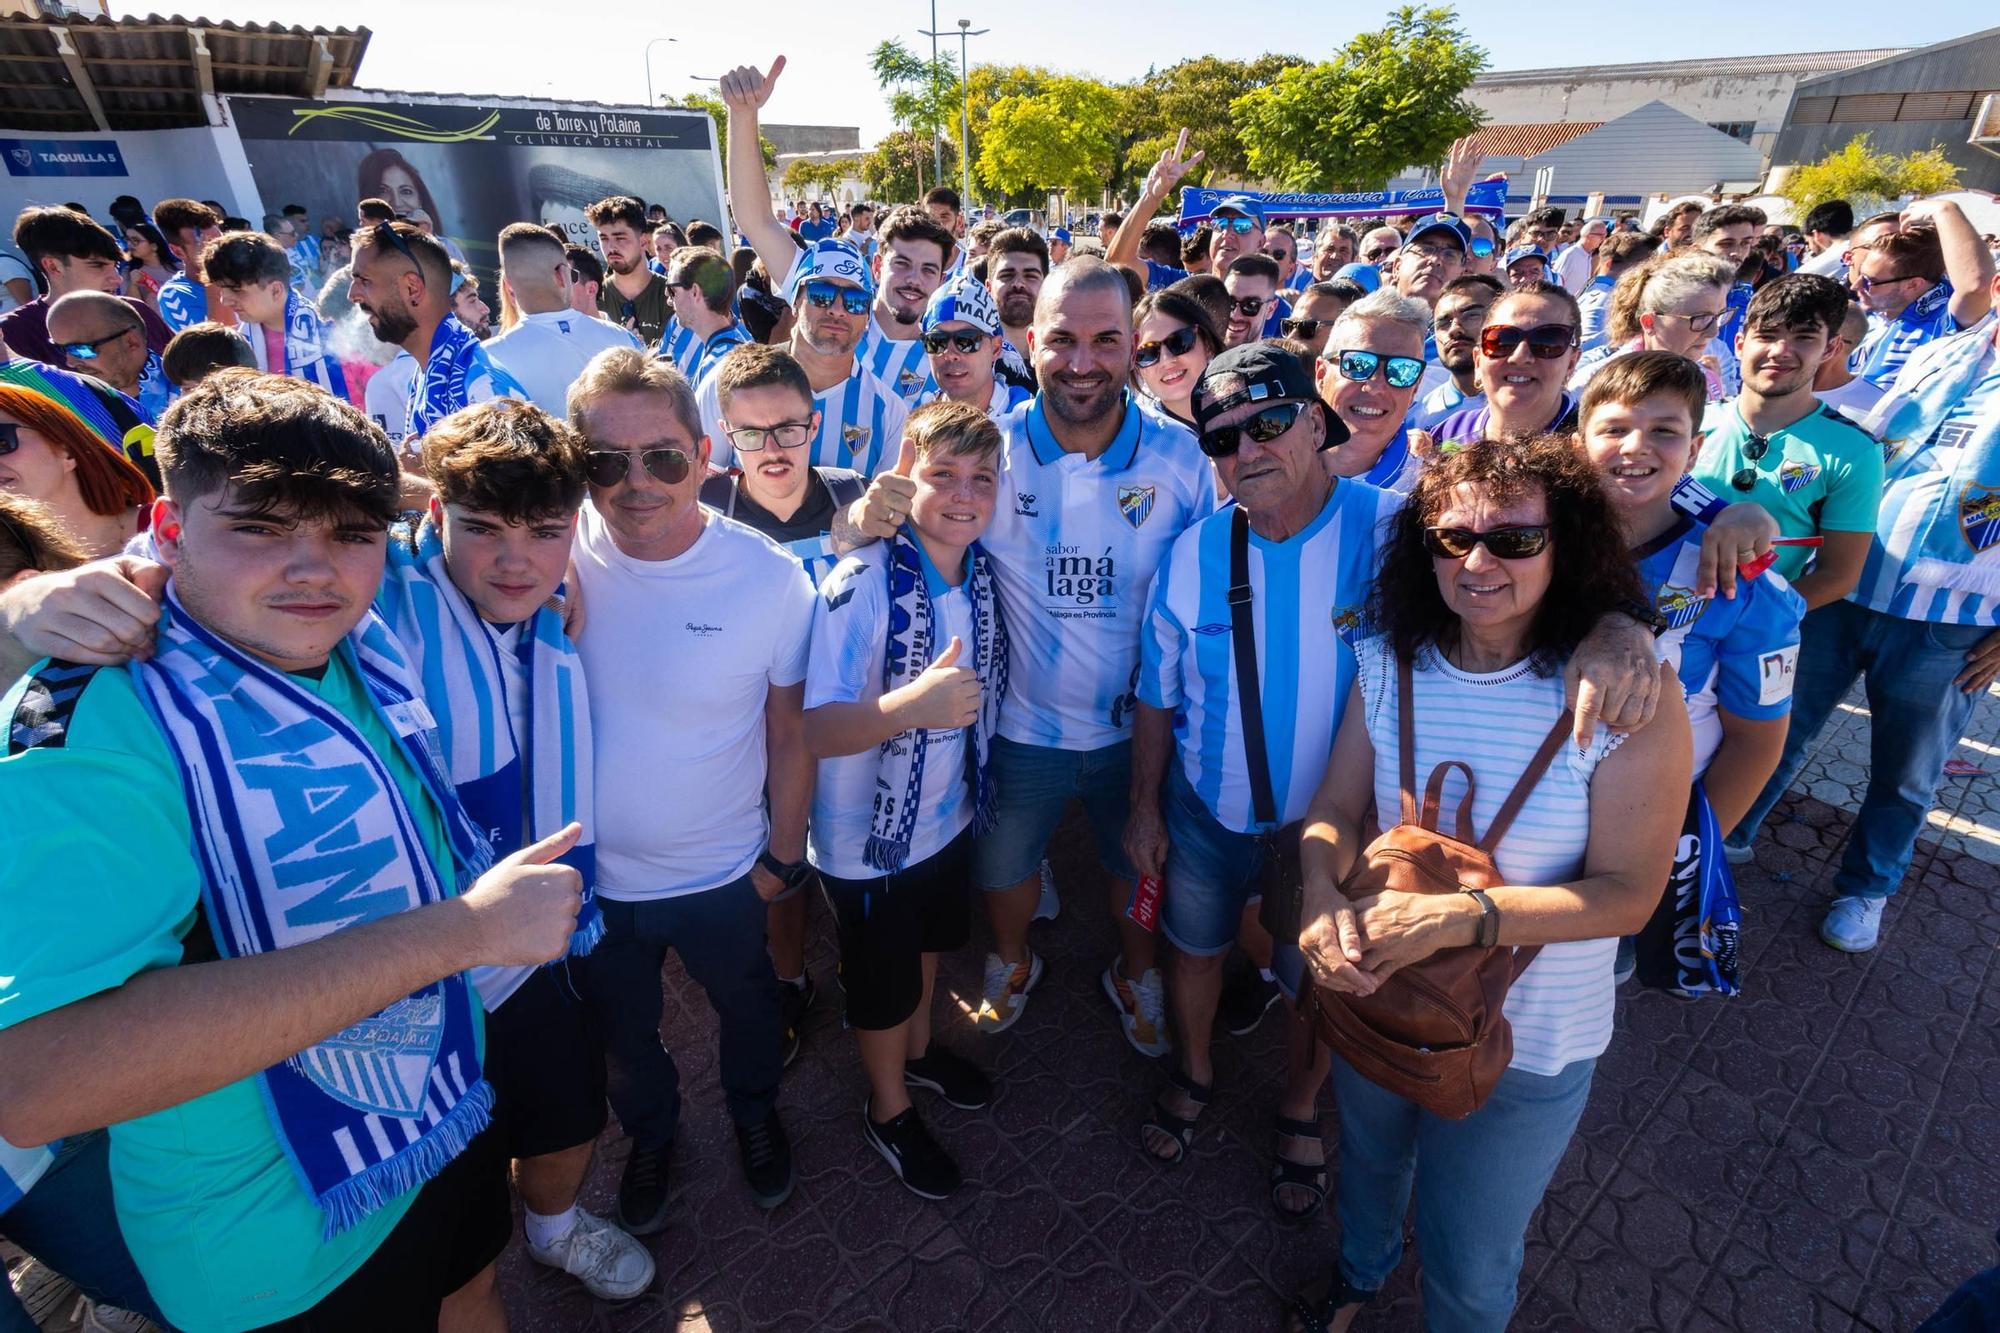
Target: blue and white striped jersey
1440,403
691,355
1007,396
1075,544
861,424
900,363
1891,341
181,301
1307,598
1740,654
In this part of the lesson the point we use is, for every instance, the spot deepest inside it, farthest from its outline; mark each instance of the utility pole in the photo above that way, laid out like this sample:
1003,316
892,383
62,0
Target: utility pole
930,87
965,109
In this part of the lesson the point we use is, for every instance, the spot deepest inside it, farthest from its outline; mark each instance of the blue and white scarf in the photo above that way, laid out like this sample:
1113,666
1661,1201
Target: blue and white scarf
306,354
455,658
912,644
456,374
300,830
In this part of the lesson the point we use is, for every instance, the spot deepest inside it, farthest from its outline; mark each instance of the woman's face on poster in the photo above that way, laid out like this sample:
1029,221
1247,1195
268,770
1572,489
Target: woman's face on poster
399,187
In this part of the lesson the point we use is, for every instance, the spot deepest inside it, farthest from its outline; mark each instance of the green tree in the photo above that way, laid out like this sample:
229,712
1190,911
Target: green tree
923,94
1197,94
1064,138
712,104
803,177
898,168
1868,179
1391,99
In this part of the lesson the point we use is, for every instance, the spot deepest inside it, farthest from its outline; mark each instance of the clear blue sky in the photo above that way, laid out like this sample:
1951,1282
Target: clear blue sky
593,50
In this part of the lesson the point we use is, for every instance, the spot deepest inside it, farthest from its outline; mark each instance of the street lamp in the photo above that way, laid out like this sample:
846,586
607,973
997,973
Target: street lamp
965,108
648,57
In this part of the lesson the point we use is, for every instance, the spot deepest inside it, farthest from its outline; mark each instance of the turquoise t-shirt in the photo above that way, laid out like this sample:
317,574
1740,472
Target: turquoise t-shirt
106,887
1820,474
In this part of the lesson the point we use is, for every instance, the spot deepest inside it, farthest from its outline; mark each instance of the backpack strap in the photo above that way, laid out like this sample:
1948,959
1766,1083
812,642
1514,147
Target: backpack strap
1406,738
1526,786
1249,693
1434,796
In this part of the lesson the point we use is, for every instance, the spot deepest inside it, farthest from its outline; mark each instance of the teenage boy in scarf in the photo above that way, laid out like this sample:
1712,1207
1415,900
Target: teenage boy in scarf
908,665
472,595
251,276
263,946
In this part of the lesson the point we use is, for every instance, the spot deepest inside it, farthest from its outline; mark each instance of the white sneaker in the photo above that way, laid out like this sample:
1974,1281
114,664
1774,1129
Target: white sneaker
110,1319
1853,925
50,1299
1006,991
610,1264
1141,1006
1050,906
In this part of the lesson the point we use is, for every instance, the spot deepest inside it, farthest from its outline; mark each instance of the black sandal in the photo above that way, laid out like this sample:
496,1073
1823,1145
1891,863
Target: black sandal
1310,1315
1287,1172
1178,1128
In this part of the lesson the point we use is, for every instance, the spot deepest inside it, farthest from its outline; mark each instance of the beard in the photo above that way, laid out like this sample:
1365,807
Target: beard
1017,310
391,326
1078,407
627,266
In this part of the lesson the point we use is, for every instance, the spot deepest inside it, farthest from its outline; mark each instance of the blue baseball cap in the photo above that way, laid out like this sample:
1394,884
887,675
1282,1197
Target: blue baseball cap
1366,276
1061,234
1444,222
1520,252
1249,207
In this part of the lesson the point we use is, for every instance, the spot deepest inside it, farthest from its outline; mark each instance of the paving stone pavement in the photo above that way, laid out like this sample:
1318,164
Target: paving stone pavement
1822,1152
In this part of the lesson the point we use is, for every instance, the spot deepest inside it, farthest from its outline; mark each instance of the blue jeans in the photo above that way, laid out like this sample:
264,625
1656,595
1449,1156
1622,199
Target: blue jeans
1032,785
1478,1182
1917,716
66,1221
720,935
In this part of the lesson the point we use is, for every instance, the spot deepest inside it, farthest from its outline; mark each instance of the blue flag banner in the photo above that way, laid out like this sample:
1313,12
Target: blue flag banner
62,157
1485,197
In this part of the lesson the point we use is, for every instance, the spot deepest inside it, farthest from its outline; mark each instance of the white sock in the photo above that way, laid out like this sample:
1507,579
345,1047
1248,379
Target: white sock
1267,974
544,1231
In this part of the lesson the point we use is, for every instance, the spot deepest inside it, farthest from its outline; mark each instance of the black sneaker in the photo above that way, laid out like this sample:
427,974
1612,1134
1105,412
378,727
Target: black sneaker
793,1003
642,1190
767,1161
1246,998
952,1077
924,1168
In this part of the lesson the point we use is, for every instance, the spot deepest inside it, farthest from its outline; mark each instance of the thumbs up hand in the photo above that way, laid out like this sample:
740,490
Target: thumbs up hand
524,909
945,697
877,515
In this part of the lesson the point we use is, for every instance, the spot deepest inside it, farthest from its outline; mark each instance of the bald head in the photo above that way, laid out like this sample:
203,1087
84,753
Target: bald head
99,334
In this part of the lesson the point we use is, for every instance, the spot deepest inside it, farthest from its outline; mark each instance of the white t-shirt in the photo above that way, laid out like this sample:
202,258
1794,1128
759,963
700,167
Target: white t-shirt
681,655
860,427
547,351
1854,399
1572,267
849,648
1827,263
12,267
388,393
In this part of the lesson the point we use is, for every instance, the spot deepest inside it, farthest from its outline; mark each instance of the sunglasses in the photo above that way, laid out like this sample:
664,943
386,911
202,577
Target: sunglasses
88,351
1299,328
1481,247
1251,306
609,467
1868,284
822,294
1178,343
1520,543
1546,342
10,438
1241,226
967,343
1265,427
1375,254
382,232
1754,449
1400,371
786,435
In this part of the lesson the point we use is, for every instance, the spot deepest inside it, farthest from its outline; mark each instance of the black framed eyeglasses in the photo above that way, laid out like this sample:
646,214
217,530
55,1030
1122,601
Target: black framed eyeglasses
1299,328
1515,543
1400,371
1264,427
610,467
822,293
1754,449
10,438
1178,343
752,439
88,351
939,340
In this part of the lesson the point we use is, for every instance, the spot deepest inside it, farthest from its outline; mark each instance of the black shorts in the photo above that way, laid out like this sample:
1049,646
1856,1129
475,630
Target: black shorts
546,1064
459,1223
888,923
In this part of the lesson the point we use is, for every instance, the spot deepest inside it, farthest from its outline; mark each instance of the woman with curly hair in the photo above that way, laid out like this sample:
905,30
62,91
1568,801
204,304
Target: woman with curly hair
1502,561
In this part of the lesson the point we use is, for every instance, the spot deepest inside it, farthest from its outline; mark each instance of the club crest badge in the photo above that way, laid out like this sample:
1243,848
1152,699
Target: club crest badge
1347,623
1794,474
1979,516
1135,503
854,438
1679,606
383,1063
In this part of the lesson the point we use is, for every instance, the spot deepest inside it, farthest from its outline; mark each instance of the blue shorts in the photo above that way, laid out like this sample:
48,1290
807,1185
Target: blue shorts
1032,788
1212,871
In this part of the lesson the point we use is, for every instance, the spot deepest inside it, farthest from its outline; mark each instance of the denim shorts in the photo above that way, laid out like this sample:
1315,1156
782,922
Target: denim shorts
1033,785
1212,871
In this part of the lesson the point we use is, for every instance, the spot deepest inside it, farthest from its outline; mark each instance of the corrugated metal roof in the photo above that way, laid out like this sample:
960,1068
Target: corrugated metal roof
1802,63
1528,140
149,73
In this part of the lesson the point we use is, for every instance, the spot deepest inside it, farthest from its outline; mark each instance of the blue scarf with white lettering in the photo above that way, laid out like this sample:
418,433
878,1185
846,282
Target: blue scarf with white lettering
306,354
300,830
1958,545
912,645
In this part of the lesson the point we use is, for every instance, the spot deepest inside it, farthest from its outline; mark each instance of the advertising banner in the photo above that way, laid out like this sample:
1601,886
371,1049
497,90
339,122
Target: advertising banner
1487,197
62,157
477,168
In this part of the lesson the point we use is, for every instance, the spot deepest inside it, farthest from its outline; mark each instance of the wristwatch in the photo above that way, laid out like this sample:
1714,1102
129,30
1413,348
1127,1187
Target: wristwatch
789,873
1489,918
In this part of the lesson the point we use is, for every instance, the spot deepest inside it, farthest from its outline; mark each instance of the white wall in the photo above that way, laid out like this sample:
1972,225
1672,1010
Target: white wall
162,164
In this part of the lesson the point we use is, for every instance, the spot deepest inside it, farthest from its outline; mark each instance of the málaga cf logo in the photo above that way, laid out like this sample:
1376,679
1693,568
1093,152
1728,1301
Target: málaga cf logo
1135,503
1679,606
1979,516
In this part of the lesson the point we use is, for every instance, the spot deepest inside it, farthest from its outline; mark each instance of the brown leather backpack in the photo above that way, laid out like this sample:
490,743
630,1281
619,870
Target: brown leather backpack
1434,1032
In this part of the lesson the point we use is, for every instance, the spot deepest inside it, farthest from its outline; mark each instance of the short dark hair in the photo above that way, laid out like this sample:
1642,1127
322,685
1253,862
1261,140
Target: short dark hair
615,209
1591,572
1465,282
432,259
1798,301
296,209
1112,220
759,366
62,233
1835,217
1019,241
1194,245
288,447
1549,291
245,259
1345,290
174,216
708,272
1544,217
199,350
670,229
1209,291
704,233
1628,248
509,458
1637,376
586,263
1728,215
943,194
1161,243
1255,266
376,210
913,224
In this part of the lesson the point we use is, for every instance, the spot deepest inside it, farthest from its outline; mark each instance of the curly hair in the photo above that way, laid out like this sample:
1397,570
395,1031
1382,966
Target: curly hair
1591,570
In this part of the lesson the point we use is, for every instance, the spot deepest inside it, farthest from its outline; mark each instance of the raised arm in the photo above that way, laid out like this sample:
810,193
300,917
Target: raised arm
744,92
1967,261
1160,182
